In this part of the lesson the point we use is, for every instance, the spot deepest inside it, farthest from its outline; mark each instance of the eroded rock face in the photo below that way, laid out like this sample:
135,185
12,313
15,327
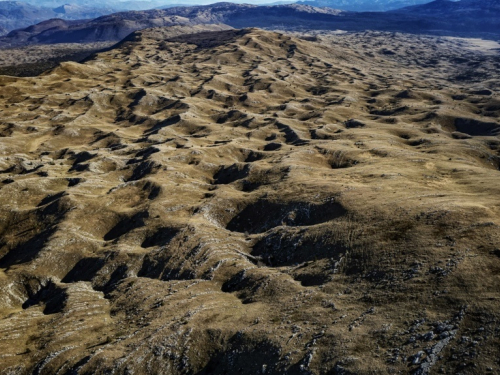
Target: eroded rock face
147,225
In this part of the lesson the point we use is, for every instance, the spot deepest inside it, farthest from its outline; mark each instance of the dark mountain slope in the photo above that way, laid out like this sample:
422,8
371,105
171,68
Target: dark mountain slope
447,8
459,16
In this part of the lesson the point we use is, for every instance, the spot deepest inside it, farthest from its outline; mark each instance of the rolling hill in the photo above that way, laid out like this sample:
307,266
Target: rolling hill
206,201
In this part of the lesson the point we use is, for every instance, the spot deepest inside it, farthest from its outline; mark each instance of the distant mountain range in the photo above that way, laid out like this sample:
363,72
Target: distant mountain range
465,16
15,14
115,27
446,8
19,14
442,17
363,5
115,4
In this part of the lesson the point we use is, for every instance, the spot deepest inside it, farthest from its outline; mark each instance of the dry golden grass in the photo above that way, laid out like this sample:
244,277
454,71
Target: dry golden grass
254,202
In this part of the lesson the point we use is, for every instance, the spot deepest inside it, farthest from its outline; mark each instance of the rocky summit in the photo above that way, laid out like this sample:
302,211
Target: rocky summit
253,202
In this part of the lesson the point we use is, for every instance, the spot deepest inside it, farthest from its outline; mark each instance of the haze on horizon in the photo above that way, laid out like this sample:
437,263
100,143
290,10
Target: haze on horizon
147,4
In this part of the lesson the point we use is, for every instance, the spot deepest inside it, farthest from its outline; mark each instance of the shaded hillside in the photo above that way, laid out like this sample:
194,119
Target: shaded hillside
245,201
33,60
